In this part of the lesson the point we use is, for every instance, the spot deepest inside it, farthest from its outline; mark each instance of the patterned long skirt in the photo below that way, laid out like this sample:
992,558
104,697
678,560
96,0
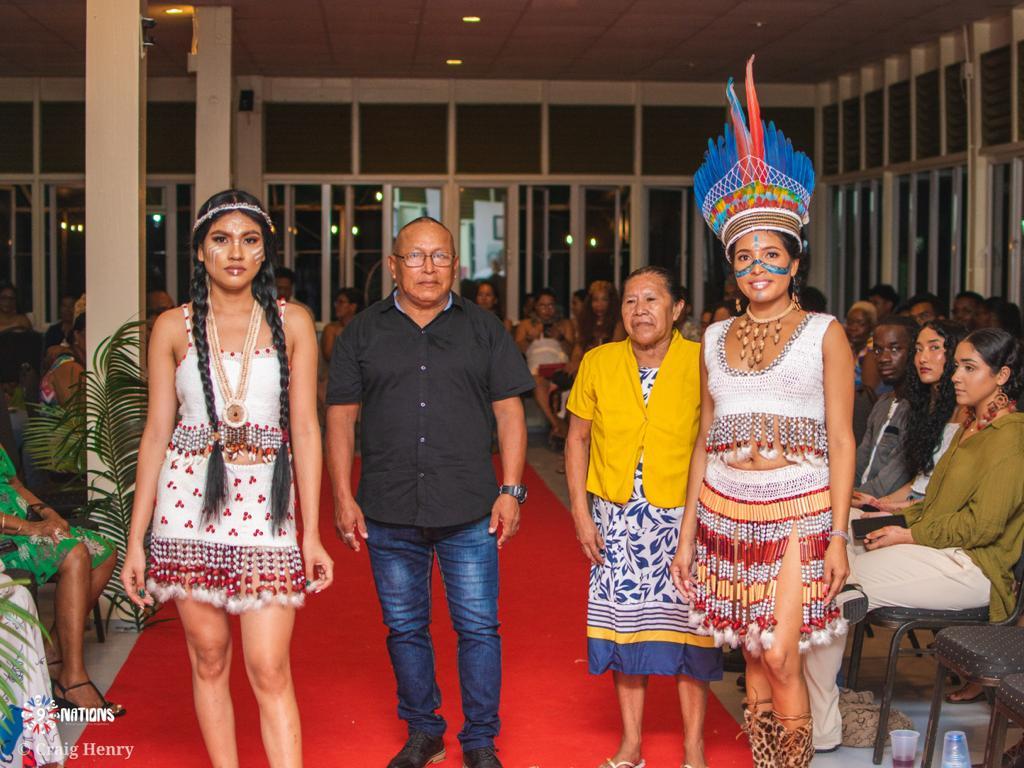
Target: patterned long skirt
637,622
744,522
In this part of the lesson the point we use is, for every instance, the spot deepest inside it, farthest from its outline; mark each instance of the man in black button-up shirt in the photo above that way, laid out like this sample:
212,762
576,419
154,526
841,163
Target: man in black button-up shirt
432,375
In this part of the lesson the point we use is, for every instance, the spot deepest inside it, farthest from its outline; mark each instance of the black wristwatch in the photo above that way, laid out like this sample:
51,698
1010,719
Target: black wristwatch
518,491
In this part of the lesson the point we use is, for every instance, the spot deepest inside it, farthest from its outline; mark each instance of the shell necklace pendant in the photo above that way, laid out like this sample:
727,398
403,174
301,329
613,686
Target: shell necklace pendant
753,332
235,413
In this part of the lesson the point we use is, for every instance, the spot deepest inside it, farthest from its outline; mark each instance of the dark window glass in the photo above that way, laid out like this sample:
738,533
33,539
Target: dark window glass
16,136
830,120
995,97
874,128
403,138
851,135
928,116
307,138
956,109
899,122
62,136
675,138
497,138
171,137
587,139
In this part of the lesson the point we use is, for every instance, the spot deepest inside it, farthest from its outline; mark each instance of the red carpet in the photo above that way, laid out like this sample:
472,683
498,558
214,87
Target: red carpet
554,714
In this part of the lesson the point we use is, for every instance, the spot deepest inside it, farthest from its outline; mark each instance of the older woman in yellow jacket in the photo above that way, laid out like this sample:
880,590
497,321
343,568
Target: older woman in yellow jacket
635,412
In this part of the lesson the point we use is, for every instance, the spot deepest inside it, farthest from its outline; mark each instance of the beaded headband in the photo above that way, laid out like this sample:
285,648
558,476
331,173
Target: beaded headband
752,178
232,207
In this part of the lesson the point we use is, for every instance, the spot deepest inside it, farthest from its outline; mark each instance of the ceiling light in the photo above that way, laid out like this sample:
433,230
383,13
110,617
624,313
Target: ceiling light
568,239
334,229
174,11
453,62
63,225
593,242
759,24
355,230
471,19
157,218
379,196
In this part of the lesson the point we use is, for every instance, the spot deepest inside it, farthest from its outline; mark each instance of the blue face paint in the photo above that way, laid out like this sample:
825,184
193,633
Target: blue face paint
767,268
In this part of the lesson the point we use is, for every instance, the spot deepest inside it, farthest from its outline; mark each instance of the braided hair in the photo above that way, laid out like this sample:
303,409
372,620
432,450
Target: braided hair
931,405
264,291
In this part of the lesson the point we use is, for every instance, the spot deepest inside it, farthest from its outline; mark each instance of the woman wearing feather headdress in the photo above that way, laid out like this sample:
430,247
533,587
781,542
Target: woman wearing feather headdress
762,551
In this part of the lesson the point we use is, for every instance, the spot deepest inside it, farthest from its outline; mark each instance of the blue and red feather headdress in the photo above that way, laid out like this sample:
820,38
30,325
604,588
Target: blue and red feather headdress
752,178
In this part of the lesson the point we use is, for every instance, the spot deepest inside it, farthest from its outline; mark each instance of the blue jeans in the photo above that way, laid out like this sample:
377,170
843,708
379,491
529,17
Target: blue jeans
402,559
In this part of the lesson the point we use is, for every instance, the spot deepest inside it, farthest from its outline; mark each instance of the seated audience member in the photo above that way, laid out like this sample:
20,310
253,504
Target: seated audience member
10,317
965,536
860,322
813,300
529,299
884,297
61,379
347,303
82,561
933,416
965,306
547,339
576,302
599,322
487,297
57,332
285,281
880,465
924,307
997,312
157,302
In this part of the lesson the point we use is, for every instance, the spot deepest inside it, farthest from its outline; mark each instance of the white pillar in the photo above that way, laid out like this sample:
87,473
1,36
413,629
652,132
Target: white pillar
115,161
212,64
979,252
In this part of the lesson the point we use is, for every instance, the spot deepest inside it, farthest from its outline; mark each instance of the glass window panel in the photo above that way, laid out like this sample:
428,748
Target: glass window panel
185,218
849,221
903,207
410,203
62,137
307,138
69,247
665,229
338,228
18,244
1001,233
948,215
7,234
16,137
676,138
716,269
156,240
588,139
599,229
923,207
367,237
307,240
403,138
868,252
170,137
482,238
498,138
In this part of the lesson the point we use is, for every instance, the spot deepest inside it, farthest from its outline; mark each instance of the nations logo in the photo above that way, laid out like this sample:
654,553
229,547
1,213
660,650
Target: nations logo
39,715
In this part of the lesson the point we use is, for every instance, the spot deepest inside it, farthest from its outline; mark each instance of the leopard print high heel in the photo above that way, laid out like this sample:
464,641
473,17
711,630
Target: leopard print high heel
760,730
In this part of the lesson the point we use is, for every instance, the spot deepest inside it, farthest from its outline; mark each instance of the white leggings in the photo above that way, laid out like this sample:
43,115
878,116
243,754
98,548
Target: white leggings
906,576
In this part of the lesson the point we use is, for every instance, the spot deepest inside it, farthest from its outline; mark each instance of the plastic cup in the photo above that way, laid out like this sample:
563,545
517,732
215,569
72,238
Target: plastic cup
954,750
904,748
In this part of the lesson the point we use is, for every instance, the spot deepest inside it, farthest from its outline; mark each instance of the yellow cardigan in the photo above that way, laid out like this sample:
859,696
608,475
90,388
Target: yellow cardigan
607,393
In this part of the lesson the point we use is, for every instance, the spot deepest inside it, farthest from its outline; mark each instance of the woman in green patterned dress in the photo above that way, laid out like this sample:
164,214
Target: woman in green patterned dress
82,560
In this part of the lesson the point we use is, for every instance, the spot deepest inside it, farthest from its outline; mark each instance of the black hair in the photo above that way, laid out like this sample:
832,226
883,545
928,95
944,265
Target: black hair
908,324
545,292
287,274
792,246
580,293
265,293
352,294
1006,313
977,298
498,309
77,326
886,292
998,349
940,309
931,406
813,300
662,274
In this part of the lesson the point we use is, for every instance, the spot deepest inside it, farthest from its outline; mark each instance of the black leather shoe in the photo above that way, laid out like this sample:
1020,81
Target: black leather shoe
420,750
483,757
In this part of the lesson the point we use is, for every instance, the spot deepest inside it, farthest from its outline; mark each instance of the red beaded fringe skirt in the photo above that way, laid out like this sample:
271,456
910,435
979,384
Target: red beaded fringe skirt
744,522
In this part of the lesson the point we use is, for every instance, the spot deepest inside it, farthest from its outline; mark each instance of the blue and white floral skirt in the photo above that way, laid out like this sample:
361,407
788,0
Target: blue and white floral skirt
637,622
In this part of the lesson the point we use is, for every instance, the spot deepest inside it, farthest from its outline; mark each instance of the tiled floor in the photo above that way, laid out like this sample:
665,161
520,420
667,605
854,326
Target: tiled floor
914,683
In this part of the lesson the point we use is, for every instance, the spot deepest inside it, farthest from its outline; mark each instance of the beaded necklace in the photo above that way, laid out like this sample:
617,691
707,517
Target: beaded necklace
753,331
235,413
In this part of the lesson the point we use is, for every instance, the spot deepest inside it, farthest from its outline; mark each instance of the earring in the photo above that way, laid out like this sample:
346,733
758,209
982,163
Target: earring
1000,401
739,307
796,293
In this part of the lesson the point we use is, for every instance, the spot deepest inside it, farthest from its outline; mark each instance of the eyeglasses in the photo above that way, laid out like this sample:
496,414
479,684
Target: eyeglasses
419,258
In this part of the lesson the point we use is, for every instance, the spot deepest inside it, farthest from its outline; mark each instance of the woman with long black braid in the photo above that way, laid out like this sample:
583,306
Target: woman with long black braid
217,483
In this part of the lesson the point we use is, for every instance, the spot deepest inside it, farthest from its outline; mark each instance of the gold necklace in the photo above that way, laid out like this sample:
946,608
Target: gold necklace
235,413
753,331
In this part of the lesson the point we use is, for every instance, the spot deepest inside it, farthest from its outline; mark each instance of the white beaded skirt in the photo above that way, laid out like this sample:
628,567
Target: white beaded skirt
238,562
